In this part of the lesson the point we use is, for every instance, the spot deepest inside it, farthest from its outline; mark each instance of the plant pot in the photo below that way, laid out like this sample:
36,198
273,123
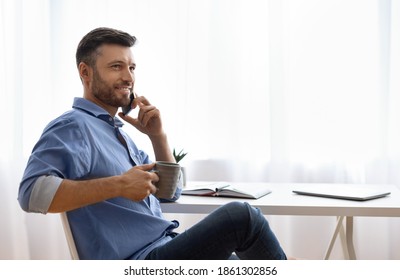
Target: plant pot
183,170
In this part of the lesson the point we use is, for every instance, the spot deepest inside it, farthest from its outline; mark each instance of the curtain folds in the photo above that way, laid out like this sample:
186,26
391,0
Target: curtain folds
274,91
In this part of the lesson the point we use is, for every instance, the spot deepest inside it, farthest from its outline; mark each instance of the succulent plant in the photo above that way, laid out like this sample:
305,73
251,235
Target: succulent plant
178,156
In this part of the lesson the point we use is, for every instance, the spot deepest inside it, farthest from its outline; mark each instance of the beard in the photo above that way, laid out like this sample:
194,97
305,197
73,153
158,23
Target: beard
105,93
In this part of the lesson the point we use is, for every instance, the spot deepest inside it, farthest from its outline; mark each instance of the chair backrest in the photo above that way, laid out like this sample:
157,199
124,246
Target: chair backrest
69,236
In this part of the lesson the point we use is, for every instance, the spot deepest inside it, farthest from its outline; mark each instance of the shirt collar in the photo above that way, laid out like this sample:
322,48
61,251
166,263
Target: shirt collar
93,109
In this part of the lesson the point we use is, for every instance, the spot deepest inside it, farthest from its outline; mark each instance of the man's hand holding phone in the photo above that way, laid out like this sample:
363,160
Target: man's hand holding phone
148,120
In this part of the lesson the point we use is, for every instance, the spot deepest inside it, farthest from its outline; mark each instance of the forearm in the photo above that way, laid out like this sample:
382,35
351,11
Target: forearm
136,184
161,148
75,194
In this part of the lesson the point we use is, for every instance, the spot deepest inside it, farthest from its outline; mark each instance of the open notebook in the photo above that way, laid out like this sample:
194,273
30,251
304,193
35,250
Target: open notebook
348,192
225,189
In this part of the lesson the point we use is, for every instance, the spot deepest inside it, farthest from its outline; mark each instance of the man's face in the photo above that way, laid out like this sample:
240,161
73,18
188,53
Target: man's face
113,76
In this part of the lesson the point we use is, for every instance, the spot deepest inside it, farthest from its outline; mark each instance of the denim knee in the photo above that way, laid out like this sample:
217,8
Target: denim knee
241,212
235,205
242,207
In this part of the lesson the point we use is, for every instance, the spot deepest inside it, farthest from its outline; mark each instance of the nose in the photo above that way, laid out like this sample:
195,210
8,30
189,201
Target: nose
128,75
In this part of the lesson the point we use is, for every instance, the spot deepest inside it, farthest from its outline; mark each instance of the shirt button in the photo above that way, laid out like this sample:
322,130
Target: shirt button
110,119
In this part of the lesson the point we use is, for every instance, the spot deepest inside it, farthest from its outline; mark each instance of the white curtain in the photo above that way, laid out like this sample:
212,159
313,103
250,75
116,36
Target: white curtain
253,90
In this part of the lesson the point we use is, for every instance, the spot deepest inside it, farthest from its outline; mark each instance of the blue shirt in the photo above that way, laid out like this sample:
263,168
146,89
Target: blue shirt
82,144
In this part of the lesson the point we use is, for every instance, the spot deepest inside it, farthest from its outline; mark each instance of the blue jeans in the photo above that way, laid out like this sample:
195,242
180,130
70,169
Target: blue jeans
233,228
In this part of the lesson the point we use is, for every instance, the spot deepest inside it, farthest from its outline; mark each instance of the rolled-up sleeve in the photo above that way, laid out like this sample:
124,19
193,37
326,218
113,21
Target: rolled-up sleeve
42,194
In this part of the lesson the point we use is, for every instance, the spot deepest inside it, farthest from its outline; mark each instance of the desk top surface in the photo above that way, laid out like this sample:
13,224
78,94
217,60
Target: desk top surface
282,201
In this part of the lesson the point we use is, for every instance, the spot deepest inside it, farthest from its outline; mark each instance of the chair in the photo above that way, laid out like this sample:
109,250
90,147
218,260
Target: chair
69,236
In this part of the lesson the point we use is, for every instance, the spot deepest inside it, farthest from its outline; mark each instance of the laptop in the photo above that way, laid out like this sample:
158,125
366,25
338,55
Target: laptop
348,192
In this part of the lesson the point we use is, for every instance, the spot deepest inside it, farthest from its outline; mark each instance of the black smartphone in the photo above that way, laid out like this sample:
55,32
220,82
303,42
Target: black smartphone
127,109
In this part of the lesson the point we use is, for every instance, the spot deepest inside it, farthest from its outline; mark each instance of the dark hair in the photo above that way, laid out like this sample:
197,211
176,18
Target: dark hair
88,46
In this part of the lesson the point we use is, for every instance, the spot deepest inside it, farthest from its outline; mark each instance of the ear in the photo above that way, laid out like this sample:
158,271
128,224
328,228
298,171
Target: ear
85,72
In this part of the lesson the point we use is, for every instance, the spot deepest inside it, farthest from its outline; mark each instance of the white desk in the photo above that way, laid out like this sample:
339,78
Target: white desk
282,201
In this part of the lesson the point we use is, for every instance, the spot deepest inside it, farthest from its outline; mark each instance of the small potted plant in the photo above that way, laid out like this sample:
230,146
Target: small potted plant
178,157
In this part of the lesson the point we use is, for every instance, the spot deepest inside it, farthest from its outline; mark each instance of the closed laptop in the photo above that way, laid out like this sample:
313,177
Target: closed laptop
348,192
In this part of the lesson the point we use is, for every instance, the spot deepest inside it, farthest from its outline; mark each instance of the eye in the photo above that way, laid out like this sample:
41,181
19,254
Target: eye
132,68
116,66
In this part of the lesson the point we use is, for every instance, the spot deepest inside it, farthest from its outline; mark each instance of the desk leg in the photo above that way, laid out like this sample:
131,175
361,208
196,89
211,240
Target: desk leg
339,225
343,242
347,244
349,238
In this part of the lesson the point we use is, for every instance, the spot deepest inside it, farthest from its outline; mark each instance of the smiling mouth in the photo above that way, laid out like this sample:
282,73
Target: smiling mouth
126,89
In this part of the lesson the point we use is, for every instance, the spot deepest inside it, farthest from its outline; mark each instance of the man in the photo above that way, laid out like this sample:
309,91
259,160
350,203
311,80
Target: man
85,165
